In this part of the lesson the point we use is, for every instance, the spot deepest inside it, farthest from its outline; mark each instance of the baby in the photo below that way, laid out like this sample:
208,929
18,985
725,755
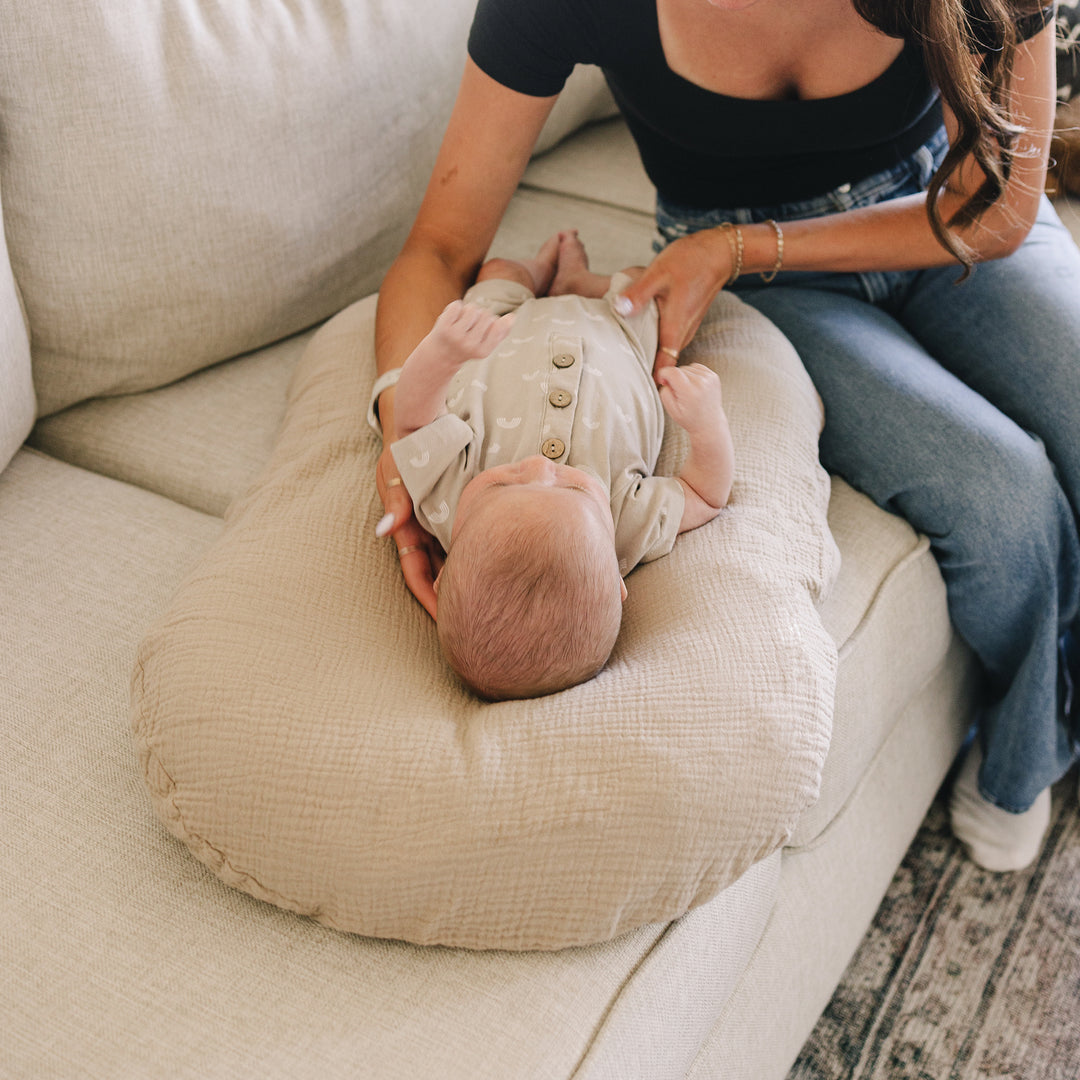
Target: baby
527,429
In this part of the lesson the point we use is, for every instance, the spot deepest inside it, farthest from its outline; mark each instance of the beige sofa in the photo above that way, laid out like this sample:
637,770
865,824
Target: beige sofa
191,183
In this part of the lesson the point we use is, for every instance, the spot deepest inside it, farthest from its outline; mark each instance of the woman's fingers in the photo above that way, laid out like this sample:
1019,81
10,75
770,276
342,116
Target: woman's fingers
420,566
655,284
683,279
419,553
395,498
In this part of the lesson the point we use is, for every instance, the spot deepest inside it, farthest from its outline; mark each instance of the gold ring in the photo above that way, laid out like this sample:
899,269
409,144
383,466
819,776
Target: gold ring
394,481
673,353
408,550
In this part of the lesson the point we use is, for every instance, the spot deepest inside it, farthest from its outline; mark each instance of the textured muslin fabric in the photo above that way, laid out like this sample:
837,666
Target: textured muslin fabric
17,403
300,731
187,180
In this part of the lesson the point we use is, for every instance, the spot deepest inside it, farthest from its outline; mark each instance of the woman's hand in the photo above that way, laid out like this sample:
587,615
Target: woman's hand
683,280
420,554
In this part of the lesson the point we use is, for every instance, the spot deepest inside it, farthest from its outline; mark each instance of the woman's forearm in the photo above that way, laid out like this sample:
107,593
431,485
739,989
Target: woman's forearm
417,287
487,144
893,235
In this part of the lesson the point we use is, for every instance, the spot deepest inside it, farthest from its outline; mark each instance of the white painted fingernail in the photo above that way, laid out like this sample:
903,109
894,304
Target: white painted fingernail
386,523
622,305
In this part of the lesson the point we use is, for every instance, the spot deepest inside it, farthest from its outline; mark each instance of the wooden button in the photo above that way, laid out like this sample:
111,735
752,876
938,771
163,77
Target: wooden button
563,360
560,398
553,448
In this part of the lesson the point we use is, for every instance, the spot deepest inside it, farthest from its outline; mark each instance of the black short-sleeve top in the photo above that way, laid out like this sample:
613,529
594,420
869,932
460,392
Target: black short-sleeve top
699,148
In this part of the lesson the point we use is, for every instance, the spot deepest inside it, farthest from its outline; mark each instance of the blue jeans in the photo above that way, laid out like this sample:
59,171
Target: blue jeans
958,407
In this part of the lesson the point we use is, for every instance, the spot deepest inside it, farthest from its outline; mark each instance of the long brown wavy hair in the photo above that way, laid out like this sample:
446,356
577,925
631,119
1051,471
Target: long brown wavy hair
977,95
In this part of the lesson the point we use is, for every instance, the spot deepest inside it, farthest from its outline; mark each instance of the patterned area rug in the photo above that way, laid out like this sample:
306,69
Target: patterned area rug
964,975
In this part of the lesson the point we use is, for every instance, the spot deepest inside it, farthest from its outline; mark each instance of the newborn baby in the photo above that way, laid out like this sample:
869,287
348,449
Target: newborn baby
528,426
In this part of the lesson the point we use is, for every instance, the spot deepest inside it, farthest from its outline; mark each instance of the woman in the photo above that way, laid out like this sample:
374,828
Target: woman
805,141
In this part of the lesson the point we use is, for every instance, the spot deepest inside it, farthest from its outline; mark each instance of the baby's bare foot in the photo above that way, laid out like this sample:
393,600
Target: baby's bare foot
541,268
572,265
535,273
572,275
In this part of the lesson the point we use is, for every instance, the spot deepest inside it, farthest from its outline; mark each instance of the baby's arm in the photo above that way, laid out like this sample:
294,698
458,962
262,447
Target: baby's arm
692,398
462,332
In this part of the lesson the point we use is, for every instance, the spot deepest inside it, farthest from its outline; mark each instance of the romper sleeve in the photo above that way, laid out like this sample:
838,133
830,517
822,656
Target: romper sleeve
433,462
647,512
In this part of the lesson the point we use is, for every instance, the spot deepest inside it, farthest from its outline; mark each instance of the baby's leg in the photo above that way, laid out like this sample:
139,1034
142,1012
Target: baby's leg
534,274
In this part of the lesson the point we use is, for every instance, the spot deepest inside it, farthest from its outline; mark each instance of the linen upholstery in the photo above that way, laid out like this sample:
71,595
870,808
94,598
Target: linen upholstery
124,957
832,888
190,180
201,441
301,733
17,404
891,623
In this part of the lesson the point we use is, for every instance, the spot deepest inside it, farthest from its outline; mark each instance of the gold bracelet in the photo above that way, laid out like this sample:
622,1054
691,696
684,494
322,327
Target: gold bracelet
735,242
779,252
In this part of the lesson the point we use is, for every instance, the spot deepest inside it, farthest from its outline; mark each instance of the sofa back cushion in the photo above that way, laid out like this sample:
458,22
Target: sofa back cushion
16,385
187,180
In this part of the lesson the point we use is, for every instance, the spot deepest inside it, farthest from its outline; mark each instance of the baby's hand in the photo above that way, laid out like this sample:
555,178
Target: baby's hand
467,332
462,332
692,397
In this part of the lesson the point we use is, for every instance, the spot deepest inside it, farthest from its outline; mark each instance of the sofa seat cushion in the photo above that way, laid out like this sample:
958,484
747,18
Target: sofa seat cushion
889,617
124,957
601,164
200,441
204,440
300,731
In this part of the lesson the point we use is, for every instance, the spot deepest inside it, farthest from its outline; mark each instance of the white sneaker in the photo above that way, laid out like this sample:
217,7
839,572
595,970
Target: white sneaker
994,838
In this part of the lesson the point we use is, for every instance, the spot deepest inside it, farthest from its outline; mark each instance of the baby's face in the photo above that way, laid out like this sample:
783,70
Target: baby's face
539,484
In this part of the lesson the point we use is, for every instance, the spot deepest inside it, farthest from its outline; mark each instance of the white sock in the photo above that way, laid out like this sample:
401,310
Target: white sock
994,838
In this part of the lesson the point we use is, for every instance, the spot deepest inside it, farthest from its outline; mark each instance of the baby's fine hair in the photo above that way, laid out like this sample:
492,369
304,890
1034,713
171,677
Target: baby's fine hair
529,612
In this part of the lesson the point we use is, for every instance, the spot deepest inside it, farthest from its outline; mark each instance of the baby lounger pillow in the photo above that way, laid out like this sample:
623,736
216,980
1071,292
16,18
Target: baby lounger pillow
300,731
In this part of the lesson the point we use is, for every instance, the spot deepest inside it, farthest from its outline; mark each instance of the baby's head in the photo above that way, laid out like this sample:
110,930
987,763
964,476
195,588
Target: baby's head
530,598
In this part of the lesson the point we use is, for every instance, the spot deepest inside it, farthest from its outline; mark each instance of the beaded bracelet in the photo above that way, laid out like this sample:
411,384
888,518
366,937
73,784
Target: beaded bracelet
779,252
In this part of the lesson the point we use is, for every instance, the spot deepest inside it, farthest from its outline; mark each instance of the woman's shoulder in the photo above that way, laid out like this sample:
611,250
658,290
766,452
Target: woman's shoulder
532,47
